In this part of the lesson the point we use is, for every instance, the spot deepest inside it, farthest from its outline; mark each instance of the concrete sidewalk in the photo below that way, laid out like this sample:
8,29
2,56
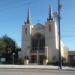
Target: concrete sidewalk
34,67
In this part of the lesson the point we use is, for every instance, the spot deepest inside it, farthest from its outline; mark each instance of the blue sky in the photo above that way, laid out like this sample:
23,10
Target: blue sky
13,13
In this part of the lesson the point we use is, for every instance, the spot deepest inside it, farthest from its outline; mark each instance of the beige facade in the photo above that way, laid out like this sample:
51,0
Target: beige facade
66,54
41,40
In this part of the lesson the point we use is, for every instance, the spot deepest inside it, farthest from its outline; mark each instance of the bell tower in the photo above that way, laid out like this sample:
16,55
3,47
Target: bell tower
51,35
26,36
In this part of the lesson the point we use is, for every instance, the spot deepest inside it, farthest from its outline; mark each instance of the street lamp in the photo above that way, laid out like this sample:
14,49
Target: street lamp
38,53
59,14
13,57
46,51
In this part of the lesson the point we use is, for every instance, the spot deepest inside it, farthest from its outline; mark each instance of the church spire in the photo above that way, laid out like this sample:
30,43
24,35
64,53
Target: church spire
28,17
50,13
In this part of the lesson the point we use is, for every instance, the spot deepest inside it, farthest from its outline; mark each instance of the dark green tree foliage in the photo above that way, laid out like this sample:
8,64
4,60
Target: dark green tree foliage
7,47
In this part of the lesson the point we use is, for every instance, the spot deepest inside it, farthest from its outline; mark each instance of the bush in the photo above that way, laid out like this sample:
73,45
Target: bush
65,64
57,63
26,57
20,62
52,63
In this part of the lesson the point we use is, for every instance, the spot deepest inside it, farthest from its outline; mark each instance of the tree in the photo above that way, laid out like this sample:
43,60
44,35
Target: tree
7,47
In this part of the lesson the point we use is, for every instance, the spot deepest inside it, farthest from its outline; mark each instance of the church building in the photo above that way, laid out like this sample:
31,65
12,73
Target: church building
41,40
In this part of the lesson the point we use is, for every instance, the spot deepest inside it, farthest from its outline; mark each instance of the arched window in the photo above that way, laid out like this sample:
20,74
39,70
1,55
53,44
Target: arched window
38,42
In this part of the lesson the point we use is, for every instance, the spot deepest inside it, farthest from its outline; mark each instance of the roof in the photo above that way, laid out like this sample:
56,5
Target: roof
39,25
71,52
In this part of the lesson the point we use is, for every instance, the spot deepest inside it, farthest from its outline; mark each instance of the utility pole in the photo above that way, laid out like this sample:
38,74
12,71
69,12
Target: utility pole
59,14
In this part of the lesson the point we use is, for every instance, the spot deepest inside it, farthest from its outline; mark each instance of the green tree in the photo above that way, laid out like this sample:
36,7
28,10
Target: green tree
7,47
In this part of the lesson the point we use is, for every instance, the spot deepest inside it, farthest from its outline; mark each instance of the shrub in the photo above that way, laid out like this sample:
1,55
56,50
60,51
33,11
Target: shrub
20,62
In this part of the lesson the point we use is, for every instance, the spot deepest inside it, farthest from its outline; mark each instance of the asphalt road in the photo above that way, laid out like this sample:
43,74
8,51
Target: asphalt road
35,72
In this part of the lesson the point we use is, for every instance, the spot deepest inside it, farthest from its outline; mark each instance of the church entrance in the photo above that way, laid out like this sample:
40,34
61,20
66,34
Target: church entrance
37,45
34,58
39,60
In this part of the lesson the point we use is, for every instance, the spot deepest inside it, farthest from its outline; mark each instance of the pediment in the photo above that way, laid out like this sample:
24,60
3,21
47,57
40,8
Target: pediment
39,25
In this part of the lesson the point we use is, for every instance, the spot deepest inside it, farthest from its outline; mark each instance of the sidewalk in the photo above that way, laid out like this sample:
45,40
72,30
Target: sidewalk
48,67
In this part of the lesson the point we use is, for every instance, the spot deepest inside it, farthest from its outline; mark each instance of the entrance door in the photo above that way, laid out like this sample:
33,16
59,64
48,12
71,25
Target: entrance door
33,58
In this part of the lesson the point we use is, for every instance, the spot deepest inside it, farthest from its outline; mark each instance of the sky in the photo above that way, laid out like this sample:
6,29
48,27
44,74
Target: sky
13,14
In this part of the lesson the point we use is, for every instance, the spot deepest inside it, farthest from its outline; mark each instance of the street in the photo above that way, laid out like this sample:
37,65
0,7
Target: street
35,72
